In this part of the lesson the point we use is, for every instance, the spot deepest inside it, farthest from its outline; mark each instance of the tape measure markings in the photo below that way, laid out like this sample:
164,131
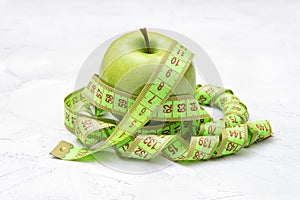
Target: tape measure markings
120,102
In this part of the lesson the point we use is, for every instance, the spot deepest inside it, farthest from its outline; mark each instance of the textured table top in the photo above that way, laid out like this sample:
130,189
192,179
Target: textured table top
255,47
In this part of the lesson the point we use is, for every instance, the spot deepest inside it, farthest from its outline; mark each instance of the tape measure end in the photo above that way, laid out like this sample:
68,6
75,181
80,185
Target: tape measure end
62,149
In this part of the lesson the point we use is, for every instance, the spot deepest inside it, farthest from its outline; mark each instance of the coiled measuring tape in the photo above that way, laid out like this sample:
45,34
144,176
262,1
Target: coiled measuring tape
181,117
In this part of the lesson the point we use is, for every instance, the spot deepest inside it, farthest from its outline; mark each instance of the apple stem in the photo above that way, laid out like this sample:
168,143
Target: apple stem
145,34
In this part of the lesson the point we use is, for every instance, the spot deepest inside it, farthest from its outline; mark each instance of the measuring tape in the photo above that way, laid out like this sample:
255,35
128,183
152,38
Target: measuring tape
181,118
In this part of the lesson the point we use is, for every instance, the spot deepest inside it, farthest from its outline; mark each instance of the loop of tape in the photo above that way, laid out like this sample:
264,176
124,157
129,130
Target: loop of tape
180,117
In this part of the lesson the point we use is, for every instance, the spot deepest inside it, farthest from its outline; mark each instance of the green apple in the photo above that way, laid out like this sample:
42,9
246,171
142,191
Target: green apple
131,59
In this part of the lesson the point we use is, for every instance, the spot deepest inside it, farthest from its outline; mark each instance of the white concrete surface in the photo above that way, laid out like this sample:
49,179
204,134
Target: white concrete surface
254,44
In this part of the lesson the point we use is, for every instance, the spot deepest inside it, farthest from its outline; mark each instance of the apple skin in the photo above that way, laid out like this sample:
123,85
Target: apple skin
127,66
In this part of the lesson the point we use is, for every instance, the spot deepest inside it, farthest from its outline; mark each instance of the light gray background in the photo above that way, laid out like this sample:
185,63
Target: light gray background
254,44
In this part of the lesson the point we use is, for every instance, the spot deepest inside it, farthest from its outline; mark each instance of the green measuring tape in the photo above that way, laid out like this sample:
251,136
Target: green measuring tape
180,118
